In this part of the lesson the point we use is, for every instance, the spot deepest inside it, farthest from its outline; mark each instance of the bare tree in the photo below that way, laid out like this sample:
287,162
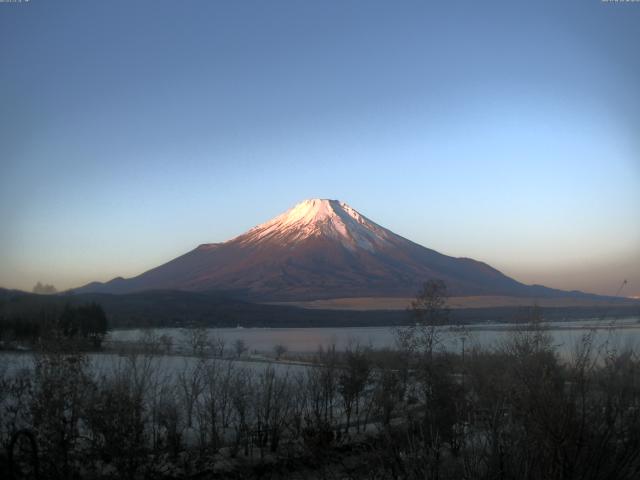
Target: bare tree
352,381
215,407
167,343
271,407
429,312
218,344
240,347
197,339
241,397
190,381
279,350
387,395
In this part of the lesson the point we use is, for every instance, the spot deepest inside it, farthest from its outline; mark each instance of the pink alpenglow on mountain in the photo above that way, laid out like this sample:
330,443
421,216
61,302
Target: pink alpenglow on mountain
320,249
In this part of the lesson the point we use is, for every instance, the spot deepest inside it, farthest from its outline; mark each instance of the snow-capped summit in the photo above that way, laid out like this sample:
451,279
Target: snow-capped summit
320,217
320,249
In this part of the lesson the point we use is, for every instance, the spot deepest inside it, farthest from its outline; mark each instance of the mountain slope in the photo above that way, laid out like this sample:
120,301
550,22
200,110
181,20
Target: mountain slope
320,249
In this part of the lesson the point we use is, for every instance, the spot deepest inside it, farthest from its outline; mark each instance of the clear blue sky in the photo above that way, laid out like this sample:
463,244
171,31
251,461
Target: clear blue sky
132,131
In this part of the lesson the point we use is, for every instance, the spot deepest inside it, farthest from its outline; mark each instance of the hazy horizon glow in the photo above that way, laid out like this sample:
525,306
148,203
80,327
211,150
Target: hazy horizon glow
131,132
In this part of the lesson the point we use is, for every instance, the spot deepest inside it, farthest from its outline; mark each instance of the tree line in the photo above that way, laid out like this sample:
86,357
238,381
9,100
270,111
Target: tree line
86,323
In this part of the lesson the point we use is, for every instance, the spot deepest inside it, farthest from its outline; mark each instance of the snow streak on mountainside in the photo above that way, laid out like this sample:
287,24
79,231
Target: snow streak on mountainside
320,249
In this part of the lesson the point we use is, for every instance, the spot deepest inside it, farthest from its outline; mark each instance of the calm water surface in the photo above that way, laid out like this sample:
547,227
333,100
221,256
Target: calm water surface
620,333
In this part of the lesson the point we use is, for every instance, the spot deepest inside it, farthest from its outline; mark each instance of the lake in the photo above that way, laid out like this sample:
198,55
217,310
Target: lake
615,335
620,333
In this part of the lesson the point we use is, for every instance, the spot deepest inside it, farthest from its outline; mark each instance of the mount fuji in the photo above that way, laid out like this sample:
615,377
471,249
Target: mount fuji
321,249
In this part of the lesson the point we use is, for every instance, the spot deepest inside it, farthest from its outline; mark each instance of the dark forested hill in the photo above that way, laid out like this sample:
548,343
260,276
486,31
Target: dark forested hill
165,308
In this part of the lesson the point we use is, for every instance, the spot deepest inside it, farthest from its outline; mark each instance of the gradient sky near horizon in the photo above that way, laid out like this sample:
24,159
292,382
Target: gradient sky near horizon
131,131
